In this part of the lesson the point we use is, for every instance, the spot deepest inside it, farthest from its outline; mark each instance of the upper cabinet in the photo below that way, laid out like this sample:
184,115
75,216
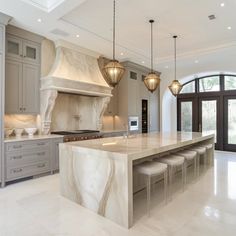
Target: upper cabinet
23,65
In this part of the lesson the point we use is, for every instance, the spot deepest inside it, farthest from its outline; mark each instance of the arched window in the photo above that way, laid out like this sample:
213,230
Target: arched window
208,105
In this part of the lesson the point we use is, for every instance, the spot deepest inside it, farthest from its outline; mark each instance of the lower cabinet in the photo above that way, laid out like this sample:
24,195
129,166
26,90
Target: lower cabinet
30,158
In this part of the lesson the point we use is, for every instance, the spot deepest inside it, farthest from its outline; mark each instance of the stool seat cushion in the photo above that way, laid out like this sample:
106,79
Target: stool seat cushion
171,160
151,168
198,149
207,146
187,154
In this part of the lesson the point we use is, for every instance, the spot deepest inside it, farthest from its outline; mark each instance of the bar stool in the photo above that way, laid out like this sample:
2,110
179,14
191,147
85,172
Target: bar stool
151,169
201,153
189,156
173,162
210,152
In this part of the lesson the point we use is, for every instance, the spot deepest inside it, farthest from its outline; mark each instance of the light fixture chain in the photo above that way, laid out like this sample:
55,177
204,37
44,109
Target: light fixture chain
151,46
175,55
114,28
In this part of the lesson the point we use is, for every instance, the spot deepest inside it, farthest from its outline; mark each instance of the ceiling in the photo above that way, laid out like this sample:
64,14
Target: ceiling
91,20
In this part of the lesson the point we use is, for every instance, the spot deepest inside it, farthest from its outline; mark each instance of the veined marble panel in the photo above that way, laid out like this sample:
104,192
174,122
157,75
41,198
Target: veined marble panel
97,181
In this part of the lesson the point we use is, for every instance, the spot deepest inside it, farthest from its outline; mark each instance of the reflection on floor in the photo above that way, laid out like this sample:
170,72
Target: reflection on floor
207,207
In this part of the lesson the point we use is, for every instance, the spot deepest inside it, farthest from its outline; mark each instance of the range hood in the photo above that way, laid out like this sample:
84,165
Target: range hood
75,71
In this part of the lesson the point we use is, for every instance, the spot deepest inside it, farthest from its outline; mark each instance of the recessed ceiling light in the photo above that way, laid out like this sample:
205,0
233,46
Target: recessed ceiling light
229,27
39,20
121,53
166,67
143,62
196,61
222,4
77,35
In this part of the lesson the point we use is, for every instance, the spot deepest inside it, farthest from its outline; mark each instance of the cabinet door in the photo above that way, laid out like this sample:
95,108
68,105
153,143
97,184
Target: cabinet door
13,91
133,97
112,108
31,52
30,89
14,48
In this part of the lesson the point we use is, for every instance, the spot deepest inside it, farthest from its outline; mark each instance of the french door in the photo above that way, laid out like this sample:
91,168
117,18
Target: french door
230,123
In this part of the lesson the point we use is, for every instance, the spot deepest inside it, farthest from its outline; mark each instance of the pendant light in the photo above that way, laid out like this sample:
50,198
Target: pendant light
175,86
152,80
113,70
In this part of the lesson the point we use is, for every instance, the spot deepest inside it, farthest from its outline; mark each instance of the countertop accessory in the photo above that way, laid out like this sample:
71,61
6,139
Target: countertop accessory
8,132
18,132
31,131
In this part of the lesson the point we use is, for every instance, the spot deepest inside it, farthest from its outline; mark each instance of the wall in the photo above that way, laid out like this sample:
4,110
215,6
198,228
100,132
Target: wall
220,61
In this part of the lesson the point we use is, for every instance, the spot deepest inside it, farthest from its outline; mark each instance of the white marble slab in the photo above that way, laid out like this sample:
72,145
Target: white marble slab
27,138
98,174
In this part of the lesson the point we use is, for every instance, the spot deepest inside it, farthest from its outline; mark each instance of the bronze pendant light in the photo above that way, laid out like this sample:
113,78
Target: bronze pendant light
152,80
175,86
113,71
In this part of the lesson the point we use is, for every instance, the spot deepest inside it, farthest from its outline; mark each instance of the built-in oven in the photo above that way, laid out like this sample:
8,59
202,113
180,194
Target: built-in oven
133,123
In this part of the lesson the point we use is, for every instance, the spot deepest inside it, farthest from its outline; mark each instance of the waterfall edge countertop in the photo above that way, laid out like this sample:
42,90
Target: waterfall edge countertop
98,173
141,145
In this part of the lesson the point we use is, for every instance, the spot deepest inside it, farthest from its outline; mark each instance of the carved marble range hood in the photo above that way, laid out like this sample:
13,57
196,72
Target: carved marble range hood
75,71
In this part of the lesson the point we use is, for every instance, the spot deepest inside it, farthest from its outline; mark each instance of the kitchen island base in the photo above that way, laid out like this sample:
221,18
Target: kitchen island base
98,174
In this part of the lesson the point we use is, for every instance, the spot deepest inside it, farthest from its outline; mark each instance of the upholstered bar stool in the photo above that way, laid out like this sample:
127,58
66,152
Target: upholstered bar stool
152,169
201,151
209,152
173,162
190,157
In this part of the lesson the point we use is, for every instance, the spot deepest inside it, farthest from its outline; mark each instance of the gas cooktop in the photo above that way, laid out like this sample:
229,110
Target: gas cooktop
75,132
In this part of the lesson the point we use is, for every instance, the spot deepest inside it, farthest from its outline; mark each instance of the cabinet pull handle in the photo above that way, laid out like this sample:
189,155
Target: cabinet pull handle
21,108
41,165
17,157
41,144
41,153
17,146
17,170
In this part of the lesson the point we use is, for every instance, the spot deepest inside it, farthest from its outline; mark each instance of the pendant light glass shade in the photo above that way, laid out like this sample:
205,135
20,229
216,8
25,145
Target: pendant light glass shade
113,71
175,86
152,80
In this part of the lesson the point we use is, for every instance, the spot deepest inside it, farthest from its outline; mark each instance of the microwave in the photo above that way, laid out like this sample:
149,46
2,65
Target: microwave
133,123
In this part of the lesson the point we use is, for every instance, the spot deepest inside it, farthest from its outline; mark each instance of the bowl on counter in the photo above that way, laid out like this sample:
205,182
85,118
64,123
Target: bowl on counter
8,132
18,132
31,131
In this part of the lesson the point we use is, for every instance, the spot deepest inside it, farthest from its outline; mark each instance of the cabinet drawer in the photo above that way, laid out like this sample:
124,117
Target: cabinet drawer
26,171
15,159
18,146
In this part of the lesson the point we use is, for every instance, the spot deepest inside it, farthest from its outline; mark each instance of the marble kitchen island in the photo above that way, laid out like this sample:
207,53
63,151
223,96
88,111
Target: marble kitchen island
98,174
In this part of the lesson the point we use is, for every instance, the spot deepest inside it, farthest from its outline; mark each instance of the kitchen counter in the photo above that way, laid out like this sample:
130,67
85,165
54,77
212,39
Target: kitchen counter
98,174
27,138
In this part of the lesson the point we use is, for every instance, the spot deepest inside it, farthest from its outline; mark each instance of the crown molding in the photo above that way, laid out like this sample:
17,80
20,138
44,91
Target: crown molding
4,19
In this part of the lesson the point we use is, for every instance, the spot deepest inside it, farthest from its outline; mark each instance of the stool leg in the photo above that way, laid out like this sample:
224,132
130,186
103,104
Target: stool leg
170,171
198,164
183,175
148,194
166,185
195,167
205,160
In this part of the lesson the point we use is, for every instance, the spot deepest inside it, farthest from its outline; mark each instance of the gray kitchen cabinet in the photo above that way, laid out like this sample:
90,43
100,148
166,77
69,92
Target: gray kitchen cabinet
31,158
22,72
22,50
22,88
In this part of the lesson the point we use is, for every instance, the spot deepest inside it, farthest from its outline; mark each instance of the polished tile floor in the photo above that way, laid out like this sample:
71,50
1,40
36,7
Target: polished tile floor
207,207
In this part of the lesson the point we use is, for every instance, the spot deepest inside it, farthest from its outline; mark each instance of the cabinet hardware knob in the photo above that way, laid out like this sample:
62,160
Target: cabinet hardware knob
17,146
41,153
41,144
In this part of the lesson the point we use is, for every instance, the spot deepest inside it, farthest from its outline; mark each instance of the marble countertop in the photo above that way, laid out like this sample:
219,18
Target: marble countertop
27,138
112,131
140,145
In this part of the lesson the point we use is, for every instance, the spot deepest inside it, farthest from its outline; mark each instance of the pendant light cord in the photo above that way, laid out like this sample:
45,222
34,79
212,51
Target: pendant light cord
114,28
175,37
151,21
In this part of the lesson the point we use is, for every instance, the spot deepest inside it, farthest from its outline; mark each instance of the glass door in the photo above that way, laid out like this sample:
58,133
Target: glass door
209,118
186,115
230,123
